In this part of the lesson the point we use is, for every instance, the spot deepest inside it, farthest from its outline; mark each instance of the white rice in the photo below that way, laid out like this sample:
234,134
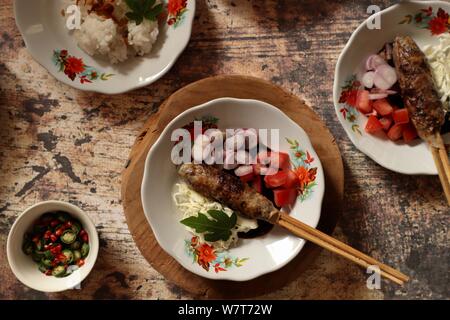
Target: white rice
100,36
141,37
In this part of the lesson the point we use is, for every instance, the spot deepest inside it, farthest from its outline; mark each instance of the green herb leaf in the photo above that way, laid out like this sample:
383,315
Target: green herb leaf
143,9
217,229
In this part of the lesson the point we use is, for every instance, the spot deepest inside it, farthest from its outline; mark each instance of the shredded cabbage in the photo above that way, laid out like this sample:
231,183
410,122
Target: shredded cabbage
190,203
439,60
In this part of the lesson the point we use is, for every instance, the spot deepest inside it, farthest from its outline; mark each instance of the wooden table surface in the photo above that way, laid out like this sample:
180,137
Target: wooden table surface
63,144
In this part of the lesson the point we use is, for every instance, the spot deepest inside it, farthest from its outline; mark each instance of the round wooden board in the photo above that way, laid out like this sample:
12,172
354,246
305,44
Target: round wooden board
198,93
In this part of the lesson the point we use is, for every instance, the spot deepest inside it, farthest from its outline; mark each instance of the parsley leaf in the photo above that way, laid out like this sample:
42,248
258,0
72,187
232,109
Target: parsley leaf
143,9
217,229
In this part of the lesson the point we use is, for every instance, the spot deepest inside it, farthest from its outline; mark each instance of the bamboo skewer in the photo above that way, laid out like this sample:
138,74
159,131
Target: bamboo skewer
440,157
325,241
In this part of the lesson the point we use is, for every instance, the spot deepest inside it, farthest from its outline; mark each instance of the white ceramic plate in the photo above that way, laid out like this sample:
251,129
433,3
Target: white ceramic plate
43,29
251,257
412,158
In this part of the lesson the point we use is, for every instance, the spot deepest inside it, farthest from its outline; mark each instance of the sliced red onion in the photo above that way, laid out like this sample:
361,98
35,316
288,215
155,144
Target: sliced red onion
377,96
385,77
229,161
264,158
250,136
374,61
243,157
235,143
243,170
367,79
201,140
214,134
197,153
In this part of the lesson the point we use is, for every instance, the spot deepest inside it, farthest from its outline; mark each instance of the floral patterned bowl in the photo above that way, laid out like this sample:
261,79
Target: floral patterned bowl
251,257
43,28
419,20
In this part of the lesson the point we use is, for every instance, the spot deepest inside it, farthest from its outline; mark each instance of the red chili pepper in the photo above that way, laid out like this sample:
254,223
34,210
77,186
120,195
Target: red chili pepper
82,231
48,272
35,239
80,262
54,223
56,249
85,238
53,238
47,234
61,257
55,262
48,246
59,232
68,224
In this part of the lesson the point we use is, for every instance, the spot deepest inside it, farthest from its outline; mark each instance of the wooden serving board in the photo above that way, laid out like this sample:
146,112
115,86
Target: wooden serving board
198,93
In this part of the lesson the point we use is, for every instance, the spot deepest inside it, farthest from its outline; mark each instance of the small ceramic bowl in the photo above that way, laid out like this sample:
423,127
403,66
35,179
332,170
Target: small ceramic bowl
44,31
26,270
400,19
251,257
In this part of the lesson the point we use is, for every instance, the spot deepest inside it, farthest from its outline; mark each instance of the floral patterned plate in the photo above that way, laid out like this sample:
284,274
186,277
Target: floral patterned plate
43,28
424,21
251,257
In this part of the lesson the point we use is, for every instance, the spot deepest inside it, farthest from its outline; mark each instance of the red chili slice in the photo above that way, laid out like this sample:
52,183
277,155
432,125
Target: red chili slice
68,224
54,223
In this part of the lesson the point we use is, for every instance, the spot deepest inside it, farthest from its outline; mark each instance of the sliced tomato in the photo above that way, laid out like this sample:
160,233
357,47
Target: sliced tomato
363,103
409,132
401,116
373,125
383,107
280,160
272,159
352,97
395,132
257,183
275,180
292,179
386,122
284,197
247,178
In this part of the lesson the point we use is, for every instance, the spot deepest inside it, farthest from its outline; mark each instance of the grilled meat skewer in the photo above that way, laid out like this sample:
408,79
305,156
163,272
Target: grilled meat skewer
419,94
228,190
214,183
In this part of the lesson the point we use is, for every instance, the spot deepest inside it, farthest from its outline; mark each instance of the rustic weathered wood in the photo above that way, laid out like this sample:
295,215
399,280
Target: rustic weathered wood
198,93
60,143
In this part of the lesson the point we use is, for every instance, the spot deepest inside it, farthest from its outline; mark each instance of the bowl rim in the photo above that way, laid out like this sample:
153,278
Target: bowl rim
105,90
205,105
336,88
92,237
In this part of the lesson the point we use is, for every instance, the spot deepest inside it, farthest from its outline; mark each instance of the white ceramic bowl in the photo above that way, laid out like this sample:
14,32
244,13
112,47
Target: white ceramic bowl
407,158
26,270
251,257
43,29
